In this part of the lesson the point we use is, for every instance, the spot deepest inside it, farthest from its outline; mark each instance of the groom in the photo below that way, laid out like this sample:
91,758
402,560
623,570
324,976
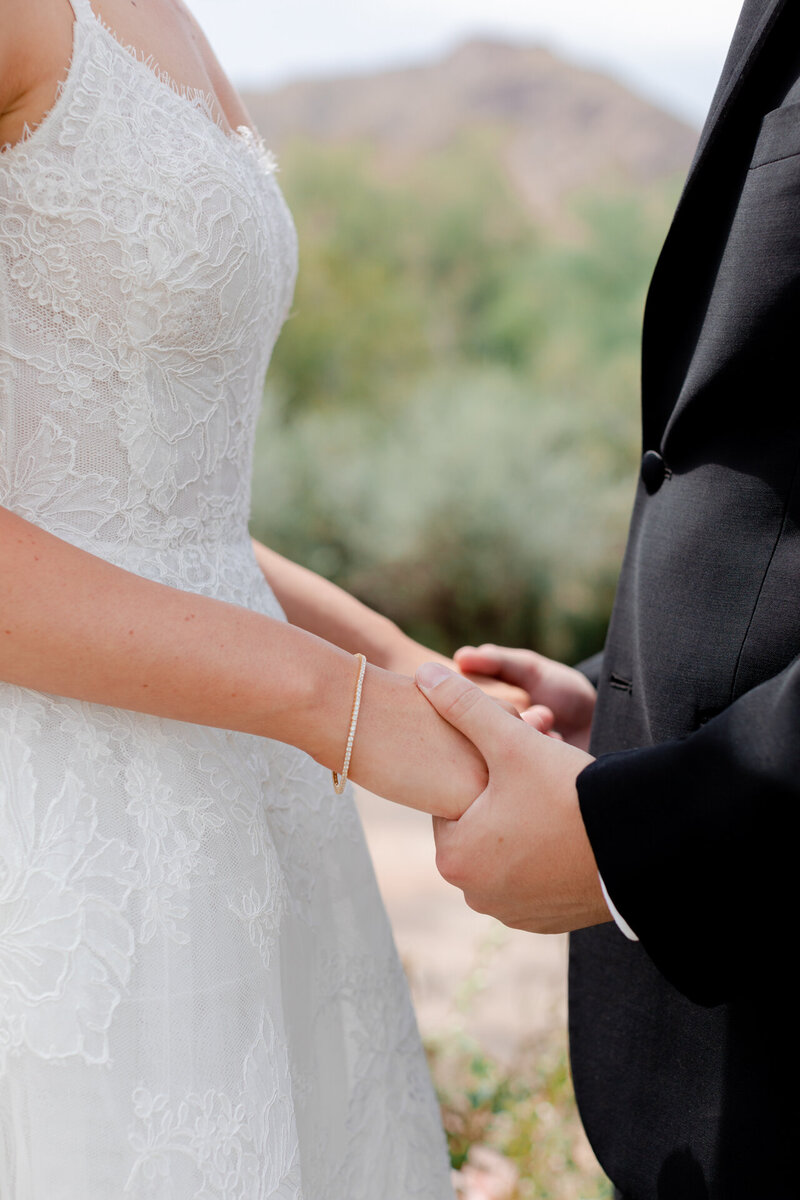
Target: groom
685,1043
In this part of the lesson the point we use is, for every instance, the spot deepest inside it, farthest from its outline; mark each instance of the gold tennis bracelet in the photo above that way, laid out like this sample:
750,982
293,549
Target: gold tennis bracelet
339,781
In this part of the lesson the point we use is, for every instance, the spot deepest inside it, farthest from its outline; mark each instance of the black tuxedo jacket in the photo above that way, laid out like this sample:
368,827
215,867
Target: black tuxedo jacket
686,1046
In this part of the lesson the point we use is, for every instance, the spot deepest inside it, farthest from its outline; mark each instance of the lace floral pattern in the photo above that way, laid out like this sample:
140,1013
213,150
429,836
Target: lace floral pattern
147,313
199,995
220,1145
65,947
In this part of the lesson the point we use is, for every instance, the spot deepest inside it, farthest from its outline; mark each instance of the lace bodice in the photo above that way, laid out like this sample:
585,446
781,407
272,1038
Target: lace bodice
136,323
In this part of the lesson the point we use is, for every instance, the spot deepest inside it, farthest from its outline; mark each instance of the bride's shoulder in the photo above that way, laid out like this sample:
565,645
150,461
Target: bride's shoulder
228,98
35,50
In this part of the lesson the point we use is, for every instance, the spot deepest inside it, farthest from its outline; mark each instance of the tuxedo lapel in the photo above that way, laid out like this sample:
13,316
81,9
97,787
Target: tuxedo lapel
668,339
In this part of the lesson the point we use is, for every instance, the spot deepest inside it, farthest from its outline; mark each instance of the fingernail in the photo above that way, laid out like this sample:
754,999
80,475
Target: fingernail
430,675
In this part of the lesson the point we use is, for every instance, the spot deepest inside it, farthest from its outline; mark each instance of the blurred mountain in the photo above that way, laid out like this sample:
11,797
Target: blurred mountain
558,128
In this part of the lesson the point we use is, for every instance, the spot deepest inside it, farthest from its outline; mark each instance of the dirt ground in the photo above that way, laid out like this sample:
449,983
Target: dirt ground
467,971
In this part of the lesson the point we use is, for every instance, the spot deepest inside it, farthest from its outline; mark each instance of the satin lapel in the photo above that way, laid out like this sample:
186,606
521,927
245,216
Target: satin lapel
665,358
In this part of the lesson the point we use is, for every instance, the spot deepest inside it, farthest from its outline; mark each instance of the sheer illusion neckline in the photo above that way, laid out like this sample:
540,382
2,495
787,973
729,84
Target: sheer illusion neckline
196,100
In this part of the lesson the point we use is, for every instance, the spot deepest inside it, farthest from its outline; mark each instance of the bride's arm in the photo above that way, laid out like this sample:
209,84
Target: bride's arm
72,624
319,606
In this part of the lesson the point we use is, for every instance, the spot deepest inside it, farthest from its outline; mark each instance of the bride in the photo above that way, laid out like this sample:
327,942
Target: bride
199,994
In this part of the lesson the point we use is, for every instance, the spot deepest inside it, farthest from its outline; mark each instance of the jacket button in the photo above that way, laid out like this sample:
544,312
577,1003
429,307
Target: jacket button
653,472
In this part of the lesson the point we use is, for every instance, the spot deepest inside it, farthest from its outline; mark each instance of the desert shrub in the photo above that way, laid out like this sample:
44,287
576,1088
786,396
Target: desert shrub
451,426
464,515
526,1112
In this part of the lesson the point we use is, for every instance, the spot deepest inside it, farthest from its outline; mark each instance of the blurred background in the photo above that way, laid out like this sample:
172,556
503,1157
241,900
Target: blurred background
450,427
480,189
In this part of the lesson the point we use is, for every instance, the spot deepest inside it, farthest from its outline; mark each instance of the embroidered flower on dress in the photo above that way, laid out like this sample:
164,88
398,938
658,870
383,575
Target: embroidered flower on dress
222,1146
65,947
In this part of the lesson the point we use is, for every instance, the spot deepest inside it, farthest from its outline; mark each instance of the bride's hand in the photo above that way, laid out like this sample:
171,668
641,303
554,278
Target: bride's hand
514,700
406,752
407,655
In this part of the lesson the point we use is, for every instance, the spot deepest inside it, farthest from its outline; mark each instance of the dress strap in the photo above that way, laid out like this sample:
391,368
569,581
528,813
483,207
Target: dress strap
83,10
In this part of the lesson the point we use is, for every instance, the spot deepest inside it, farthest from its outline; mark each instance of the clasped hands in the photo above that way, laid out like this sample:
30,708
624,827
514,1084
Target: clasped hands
520,850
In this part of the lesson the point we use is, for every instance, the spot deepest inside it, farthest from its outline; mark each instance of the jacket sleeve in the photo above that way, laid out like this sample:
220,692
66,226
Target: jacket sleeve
697,842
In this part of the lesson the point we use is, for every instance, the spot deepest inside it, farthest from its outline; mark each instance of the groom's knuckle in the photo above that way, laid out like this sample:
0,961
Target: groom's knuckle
476,901
463,699
534,667
448,864
514,751
535,924
509,745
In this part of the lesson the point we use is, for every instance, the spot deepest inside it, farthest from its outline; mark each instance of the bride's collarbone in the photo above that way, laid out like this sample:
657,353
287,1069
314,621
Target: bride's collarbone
164,34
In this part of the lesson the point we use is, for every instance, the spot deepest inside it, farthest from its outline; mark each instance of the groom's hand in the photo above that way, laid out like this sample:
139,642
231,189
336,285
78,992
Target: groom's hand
562,696
520,851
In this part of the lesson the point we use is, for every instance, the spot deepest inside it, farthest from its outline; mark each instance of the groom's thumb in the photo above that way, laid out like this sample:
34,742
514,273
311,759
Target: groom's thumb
463,705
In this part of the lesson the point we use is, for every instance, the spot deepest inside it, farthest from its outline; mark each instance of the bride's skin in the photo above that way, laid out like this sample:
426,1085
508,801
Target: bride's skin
71,624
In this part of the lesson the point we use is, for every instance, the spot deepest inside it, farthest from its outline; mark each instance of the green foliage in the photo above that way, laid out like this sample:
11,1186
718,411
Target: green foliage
526,1113
356,319
451,426
464,514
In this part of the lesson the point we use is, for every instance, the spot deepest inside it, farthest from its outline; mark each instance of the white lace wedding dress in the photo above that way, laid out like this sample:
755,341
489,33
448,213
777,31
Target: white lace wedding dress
199,994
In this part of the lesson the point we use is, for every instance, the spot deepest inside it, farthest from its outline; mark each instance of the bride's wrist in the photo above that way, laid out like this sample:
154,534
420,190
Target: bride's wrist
404,751
317,700
405,655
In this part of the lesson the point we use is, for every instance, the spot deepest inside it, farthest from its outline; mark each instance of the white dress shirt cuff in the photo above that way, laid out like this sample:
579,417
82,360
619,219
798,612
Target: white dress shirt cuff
621,923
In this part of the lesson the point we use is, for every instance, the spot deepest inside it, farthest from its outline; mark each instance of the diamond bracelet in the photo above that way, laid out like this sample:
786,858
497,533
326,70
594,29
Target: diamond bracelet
339,781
